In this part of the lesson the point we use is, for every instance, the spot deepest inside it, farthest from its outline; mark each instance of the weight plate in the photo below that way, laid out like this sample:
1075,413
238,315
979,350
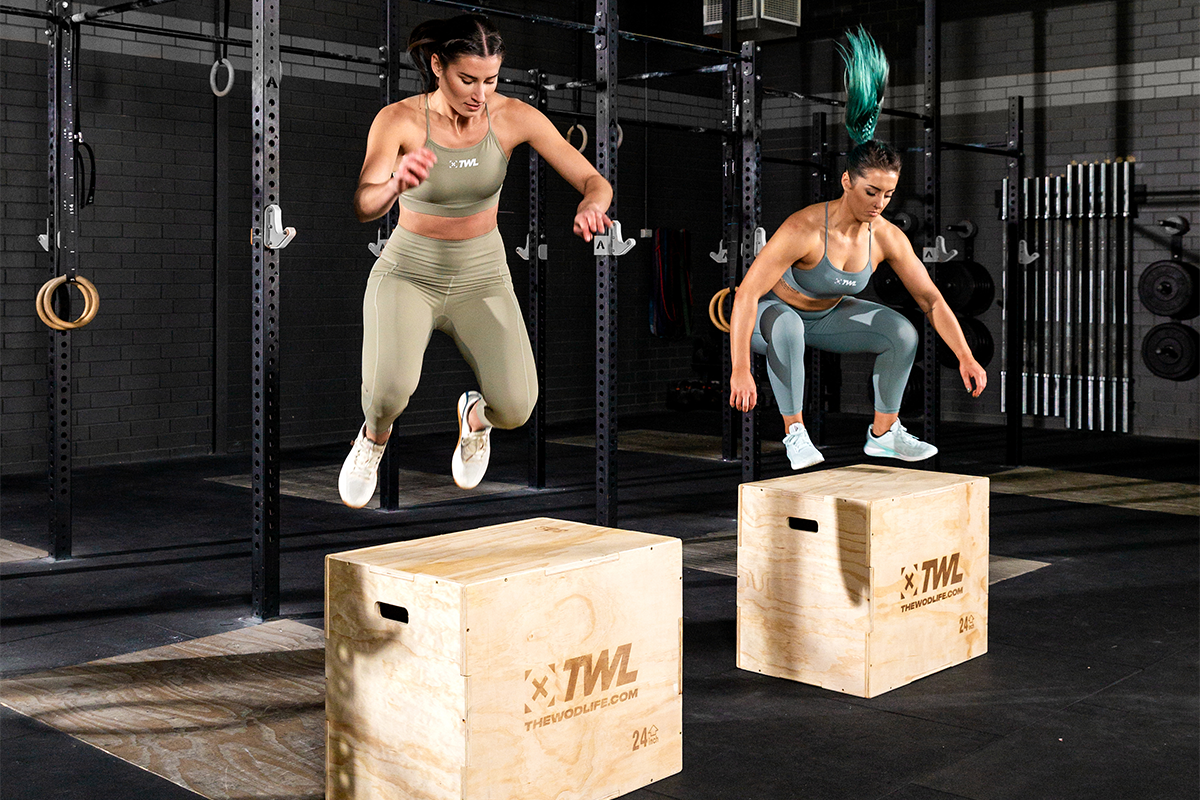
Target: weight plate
1170,351
890,288
979,339
966,286
1168,288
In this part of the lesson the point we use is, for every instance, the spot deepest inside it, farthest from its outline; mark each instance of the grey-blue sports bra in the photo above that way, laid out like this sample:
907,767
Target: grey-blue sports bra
825,281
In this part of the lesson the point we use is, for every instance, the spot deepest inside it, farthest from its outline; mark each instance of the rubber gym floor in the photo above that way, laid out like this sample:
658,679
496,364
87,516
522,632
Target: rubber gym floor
1089,688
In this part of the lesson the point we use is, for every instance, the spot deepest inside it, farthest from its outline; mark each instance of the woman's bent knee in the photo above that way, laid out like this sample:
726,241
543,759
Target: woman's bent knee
510,413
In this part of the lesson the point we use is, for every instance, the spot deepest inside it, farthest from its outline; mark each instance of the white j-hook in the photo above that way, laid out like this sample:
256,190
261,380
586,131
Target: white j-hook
610,243
376,247
277,236
760,240
1023,254
722,255
542,252
938,253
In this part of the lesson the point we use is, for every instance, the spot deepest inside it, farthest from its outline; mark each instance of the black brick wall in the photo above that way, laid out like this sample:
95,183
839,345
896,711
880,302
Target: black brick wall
146,369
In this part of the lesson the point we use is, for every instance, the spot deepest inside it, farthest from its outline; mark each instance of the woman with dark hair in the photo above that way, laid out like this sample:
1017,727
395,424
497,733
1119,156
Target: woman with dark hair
798,290
443,155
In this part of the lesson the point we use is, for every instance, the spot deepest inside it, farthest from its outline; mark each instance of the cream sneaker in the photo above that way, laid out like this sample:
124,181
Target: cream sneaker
471,455
360,471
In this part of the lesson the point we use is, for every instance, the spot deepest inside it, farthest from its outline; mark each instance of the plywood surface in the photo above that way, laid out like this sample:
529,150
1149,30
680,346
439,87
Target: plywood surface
864,483
11,551
498,551
518,663
861,579
231,716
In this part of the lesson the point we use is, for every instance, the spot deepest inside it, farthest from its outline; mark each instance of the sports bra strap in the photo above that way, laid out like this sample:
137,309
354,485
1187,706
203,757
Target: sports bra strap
826,253
426,117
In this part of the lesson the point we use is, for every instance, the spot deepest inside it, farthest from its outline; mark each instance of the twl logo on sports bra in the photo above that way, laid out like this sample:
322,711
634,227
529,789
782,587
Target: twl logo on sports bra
464,162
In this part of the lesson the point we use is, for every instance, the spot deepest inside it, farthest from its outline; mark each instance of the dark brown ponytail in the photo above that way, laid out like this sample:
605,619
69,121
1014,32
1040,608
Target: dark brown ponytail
464,35
872,154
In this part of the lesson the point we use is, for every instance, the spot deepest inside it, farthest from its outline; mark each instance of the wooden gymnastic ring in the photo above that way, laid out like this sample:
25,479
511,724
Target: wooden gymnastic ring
583,131
37,304
715,311
45,311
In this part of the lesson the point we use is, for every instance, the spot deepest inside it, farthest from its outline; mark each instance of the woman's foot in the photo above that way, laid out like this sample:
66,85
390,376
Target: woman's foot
471,456
360,471
897,442
800,450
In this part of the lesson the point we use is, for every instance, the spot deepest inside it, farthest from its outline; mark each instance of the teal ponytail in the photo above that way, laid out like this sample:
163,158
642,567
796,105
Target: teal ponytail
865,76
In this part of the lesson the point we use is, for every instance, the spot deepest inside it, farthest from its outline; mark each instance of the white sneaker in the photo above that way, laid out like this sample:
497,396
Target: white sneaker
471,456
800,450
360,471
897,442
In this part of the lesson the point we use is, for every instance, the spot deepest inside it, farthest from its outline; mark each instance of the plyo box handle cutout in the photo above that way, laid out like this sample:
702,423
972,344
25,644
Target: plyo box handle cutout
802,524
394,613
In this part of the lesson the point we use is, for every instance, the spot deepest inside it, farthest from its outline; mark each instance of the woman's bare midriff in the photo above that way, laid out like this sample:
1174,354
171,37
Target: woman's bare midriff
448,228
802,301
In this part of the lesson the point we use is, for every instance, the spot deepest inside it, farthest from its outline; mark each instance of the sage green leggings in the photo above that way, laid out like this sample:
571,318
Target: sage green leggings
462,288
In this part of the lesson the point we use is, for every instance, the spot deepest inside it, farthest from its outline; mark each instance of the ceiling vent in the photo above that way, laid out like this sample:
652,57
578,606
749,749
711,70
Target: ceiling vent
757,19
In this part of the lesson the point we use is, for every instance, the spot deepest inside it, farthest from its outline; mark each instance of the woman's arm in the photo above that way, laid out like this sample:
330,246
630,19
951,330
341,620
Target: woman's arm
590,216
382,180
786,247
899,253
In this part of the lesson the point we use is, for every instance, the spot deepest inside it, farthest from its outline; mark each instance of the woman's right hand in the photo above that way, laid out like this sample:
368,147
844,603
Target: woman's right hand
743,391
413,169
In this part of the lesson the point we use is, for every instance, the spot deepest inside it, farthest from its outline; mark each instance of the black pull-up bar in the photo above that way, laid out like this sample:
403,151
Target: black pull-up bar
117,9
641,77
831,101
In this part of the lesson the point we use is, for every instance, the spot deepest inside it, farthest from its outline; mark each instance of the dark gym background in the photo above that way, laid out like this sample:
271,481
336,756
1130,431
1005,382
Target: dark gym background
1089,687
163,370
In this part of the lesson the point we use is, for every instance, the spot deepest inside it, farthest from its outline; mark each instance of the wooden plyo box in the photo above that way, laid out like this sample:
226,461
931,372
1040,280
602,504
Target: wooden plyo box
862,579
534,659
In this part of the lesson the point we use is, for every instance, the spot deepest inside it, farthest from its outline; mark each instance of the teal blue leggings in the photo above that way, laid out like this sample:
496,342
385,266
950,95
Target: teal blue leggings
852,326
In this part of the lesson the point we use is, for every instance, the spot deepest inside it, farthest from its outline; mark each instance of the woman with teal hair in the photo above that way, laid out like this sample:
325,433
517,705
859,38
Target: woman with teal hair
800,289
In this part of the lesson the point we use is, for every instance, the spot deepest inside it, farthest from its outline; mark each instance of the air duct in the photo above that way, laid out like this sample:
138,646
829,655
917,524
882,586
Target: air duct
757,19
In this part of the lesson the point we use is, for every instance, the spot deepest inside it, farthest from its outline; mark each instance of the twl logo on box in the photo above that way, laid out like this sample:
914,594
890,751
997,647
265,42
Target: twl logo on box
929,577
584,676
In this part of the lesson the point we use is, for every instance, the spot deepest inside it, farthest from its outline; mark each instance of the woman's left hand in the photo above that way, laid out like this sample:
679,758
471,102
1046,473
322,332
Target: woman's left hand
971,371
590,219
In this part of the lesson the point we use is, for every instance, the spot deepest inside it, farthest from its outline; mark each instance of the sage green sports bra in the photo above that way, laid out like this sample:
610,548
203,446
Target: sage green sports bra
825,281
464,181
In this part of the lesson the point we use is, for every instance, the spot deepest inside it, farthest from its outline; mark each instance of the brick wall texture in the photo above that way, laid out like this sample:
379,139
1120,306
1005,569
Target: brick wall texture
164,369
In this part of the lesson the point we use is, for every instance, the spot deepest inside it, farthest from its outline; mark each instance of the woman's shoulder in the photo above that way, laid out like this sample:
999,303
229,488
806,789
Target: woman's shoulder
510,110
408,109
805,221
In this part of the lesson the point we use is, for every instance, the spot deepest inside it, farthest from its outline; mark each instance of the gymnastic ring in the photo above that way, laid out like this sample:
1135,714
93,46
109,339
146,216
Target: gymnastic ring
212,77
715,311
620,136
583,131
91,303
